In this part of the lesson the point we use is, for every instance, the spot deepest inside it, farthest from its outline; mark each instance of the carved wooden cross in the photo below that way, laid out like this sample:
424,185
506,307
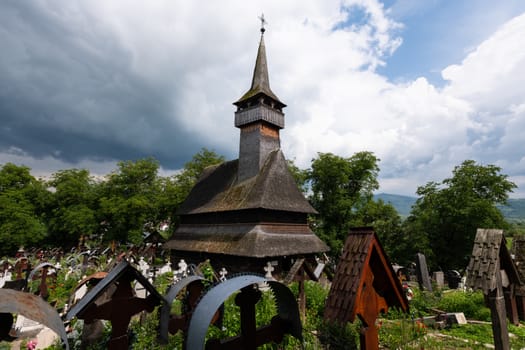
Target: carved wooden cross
369,306
119,310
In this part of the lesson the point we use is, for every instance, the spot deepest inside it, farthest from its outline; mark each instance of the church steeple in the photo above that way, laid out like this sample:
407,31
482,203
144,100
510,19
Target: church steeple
259,116
248,211
260,80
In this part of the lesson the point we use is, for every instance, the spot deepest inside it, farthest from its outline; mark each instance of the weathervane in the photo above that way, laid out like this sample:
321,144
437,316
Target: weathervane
263,22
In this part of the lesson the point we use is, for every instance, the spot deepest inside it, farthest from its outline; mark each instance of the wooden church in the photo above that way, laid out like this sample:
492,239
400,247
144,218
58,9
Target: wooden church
248,213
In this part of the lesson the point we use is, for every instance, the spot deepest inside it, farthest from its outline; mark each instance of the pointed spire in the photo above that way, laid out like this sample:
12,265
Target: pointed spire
260,79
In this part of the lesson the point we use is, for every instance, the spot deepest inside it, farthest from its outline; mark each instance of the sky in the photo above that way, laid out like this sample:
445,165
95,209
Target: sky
424,85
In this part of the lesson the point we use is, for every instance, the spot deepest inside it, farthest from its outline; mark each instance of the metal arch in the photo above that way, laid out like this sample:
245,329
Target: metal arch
287,308
206,308
41,266
211,301
166,307
34,308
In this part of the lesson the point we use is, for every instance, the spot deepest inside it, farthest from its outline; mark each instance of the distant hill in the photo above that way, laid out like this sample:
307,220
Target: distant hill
403,204
514,211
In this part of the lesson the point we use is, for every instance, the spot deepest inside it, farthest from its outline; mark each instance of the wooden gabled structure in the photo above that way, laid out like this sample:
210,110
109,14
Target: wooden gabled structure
492,270
364,285
114,299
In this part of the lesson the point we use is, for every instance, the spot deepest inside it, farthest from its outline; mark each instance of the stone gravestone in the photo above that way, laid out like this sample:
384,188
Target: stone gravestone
422,272
439,277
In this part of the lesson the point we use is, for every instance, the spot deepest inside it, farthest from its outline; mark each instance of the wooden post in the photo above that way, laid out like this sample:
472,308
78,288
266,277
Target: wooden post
496,301
302,294
520,301
246,300
511,306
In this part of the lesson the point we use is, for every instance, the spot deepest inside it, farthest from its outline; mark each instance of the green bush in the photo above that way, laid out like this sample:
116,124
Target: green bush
423,302
339,337
472,304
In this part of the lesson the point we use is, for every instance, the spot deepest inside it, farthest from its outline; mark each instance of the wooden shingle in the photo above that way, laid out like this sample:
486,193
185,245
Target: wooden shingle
362,255
489,255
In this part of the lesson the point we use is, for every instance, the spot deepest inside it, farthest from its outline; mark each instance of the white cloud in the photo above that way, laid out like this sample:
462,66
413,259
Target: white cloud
179,65
491,77
419,131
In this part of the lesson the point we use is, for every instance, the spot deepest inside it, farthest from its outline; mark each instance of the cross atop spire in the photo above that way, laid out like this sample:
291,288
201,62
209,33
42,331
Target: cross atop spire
263,22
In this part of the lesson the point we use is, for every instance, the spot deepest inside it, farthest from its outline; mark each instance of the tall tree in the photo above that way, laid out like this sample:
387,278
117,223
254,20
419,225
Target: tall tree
448,213
128,203
300,176
340,188
385,220
22,198
72,211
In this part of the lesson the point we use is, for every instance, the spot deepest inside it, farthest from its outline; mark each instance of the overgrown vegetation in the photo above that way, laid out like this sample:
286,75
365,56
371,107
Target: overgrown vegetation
135,199
396,329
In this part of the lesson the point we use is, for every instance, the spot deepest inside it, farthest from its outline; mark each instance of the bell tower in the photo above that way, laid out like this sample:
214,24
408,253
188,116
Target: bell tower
245,213
259,117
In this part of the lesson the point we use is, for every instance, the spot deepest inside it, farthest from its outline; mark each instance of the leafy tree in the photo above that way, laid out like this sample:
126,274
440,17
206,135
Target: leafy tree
14,177
72,211
448,213
128,203
21,199
300,176
385,220
341,187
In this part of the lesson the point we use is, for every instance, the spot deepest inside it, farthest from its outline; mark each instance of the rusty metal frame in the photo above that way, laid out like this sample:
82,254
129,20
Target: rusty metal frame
202,316
166,307
39,267
34,308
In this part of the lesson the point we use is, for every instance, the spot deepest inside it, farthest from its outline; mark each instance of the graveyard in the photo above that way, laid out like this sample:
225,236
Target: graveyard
249,262
428,314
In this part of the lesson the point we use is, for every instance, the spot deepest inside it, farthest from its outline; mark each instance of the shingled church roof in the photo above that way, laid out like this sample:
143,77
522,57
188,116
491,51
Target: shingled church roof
274,188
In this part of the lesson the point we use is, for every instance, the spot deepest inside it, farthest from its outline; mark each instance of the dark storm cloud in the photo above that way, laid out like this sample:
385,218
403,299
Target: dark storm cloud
68,88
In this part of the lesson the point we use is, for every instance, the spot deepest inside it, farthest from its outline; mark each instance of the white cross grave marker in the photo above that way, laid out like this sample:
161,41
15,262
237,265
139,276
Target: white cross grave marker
269,269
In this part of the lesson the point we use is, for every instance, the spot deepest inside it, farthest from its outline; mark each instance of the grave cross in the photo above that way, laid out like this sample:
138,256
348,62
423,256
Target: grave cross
251,337
263,22
223,272
269,269
119,310
369,306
